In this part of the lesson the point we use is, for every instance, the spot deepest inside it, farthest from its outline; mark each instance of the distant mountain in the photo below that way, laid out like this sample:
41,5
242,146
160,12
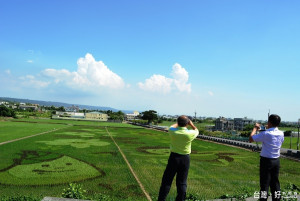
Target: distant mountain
59,104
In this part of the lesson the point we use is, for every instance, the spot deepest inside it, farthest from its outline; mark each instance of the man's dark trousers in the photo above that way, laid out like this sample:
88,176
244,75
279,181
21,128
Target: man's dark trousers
177,164
269,171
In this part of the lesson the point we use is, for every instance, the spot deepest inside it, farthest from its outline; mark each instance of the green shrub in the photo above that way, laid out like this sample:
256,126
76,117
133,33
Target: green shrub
7,112
287,133
241,194
245,133
139,121
289,188
74,191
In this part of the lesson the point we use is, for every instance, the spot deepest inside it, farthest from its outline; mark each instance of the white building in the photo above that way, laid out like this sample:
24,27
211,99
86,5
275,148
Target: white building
132,116
69,114
96,115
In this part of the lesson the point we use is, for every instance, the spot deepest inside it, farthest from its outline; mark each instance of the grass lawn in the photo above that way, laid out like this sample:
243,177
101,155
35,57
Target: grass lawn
295,129
287,142
85,154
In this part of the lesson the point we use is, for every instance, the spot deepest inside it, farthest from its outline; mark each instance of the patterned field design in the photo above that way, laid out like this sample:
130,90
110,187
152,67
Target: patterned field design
34,168
86,154
216,158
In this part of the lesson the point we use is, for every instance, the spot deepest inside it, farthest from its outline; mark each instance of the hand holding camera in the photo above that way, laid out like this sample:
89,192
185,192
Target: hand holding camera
192,125
259,127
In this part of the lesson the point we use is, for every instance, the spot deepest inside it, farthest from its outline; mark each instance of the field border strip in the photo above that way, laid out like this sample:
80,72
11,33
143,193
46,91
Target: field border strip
130,167
22,138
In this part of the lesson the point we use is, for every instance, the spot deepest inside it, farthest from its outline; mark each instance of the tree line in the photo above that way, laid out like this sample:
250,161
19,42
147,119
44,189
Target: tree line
7,112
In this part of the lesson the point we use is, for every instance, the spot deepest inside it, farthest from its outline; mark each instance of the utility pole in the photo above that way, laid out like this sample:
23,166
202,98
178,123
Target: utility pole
195,114
298,134
291,135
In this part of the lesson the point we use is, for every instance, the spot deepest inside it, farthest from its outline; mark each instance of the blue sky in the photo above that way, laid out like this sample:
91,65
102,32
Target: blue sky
219,58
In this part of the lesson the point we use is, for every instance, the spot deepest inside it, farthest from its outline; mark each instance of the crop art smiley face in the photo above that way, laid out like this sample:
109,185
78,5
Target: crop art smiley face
62,170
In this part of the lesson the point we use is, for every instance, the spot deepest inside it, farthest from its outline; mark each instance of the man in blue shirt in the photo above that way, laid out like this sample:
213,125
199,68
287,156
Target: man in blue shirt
272,140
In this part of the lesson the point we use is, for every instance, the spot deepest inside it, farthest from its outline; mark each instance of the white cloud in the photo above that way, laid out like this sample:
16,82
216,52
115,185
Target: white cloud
7,72
160,83
179,73
157,83
29,61
210,93
181,77
90,73
31,81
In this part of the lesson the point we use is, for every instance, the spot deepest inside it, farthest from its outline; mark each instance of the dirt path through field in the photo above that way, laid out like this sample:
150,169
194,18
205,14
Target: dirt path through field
22,138
130,168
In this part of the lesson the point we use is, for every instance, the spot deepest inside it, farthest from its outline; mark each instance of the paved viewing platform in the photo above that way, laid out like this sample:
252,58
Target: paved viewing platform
252,146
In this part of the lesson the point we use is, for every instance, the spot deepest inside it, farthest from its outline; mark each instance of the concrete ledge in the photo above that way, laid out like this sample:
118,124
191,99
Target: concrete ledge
60,199
291,153
230,199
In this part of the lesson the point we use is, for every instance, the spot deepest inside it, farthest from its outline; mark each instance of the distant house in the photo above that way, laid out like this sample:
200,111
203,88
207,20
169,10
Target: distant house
240,123
4,103
223,124
28,107
132,116
96,115
72,108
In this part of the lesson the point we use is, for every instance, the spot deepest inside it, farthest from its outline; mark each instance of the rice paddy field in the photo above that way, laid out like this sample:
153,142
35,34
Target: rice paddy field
85,153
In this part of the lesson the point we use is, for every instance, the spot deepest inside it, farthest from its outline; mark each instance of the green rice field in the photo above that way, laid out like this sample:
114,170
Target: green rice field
84,153
11,130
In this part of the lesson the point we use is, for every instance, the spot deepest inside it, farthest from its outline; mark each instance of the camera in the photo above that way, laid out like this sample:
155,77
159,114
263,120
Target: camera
190,118
262,128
